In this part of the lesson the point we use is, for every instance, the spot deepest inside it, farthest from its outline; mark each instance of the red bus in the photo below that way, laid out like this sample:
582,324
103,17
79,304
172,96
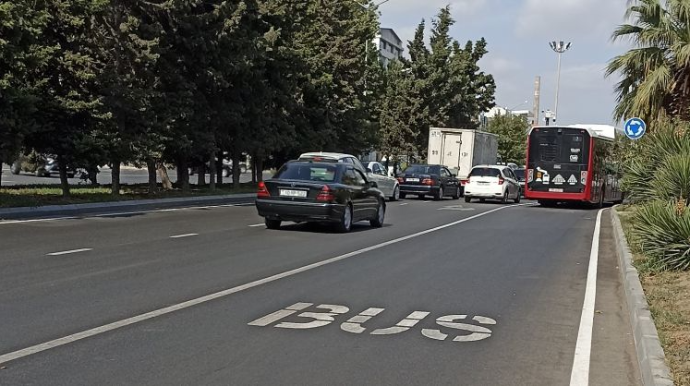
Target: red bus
572,164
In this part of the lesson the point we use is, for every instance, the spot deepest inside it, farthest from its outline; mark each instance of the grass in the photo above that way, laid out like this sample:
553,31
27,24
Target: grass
668,295
42,195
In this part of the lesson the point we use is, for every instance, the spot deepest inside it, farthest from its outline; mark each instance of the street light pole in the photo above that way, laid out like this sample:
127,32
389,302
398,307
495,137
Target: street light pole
559,48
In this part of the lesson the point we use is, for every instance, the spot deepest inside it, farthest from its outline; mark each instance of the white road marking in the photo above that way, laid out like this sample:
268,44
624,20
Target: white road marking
405,203
354,324
410,321
69,252
86,216
217,295
184,235
583,348
257,225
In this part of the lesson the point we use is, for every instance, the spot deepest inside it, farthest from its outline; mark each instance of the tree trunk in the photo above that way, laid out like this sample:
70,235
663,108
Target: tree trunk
93,174
153,184
62,167
163,174
116,177
259,166
183,174
201,175
236,172
219,167
212,172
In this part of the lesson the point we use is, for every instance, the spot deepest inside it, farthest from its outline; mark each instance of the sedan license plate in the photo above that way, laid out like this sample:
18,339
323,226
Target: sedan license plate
293,193
556,190
412,179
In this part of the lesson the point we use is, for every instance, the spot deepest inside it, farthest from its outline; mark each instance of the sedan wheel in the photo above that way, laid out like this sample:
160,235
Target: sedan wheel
456,196
396,194
272,224
517,197
504,200
439,194
468,198
345,223
380,215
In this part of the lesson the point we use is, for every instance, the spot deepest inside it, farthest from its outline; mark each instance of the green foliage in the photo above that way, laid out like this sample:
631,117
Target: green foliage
662,231
655,74
441,85
657,166
512,137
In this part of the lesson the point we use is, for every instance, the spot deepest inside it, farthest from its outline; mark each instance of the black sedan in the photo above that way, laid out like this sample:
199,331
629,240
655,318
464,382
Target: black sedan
305,191
423,180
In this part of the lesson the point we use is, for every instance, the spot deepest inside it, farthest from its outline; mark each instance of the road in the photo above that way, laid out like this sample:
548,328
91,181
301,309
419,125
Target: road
447,293
128,176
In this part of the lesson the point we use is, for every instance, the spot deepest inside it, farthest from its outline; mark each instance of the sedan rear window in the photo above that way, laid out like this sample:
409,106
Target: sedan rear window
422,169
303,172
519,173
485,172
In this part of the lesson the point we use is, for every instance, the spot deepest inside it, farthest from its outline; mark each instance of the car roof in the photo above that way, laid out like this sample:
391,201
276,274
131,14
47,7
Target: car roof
326,155
318,163
491,166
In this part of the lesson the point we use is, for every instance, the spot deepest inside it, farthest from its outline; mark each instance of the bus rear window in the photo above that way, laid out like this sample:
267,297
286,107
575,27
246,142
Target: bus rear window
558,146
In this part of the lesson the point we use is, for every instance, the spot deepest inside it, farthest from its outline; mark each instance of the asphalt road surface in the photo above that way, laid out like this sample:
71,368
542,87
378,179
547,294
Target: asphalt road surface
128,176
447,293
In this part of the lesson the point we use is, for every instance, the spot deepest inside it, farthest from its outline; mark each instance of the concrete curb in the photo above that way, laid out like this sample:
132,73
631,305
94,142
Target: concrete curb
650,354
133,205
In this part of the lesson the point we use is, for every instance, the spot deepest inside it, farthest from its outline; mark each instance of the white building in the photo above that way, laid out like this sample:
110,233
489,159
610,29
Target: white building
389,44
498,111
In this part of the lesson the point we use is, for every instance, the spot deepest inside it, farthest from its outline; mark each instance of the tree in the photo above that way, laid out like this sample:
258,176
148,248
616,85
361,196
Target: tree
21,50
66,81
512,137
656,73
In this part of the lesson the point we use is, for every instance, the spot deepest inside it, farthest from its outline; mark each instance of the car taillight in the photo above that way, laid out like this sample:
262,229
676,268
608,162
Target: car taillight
427,181
326,195
464,182
262,192
501,181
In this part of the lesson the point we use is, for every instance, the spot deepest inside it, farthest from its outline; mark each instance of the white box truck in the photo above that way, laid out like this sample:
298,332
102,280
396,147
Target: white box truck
461,149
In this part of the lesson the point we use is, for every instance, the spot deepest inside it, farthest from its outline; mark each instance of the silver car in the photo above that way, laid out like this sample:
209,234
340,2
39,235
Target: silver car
377,173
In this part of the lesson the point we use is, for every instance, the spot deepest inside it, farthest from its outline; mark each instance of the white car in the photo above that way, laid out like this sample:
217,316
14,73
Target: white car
388,185
493,182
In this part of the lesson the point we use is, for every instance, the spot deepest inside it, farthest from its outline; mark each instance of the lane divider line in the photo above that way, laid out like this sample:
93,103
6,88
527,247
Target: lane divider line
184,235
69,252
224,293
583,349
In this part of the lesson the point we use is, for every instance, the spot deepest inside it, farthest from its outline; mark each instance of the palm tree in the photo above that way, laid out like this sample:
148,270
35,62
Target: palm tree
656,73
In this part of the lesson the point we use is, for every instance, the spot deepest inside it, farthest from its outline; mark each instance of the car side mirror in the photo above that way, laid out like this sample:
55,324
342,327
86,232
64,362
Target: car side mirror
373,184
368,170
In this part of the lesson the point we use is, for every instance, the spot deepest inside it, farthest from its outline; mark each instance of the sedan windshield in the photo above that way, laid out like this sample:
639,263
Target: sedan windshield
519,173
307,172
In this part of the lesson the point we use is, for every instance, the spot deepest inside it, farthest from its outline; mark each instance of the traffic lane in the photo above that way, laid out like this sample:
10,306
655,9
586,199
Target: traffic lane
24,242
55,296
534,293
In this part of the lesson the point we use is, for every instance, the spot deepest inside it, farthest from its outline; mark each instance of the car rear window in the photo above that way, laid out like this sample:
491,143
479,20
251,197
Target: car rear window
485,172
519,173
422,169
305,172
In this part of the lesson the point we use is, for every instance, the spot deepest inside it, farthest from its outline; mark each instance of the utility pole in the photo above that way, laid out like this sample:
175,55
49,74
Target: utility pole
535,105
559,48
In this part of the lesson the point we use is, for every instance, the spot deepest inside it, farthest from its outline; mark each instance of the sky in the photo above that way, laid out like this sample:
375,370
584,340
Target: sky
518,33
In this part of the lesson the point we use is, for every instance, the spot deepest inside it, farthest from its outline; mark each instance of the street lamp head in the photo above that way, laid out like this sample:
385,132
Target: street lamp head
559,47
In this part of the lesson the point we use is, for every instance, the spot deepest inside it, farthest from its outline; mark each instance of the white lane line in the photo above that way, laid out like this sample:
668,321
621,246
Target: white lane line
257,225
184,235
69,252
10,222
583,348
207,298
405,203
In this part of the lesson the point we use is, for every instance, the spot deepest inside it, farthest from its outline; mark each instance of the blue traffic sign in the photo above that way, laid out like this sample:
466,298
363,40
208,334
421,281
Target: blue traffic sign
635,128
